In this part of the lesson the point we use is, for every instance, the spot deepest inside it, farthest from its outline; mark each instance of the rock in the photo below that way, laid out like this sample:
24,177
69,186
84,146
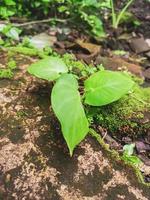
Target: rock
42,40
148,42
148,54
118,64
145,159
127,140
63,33
146,74
139,45
142,147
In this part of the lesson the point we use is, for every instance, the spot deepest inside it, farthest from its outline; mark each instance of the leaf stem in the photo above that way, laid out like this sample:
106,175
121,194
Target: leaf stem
121,14
113,13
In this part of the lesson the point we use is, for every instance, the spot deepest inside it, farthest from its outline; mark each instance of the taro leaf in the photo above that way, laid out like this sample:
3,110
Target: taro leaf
105,87
48,68
68,108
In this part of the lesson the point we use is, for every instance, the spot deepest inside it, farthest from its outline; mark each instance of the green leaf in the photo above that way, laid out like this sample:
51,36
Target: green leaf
105,87
96,25
5,13
48,68
13,33
132,159
128,149
127,154
68,108
90,3
105,4
9,2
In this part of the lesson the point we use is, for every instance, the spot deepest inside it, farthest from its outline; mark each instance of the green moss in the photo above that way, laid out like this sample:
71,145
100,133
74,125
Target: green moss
11,64
124,113
71,62
78,67
24,50
8,72
115,155
30,51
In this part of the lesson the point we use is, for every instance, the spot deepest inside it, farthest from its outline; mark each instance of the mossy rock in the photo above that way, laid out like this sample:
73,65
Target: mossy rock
128,116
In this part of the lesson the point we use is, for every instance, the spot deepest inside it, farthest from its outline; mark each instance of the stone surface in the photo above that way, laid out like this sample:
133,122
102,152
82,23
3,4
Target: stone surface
34,159
139,45
148,42
116,63
146,74
148,54
42,40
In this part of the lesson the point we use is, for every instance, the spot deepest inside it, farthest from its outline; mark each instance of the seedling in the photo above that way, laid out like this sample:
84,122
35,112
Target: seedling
101,88
128,155
117,17
9,31
9,71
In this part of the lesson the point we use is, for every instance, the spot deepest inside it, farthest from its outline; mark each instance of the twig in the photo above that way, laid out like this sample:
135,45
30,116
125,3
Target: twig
4,22
35,22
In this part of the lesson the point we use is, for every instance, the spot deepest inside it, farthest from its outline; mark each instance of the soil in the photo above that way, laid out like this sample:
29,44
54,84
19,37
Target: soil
141,10
34,160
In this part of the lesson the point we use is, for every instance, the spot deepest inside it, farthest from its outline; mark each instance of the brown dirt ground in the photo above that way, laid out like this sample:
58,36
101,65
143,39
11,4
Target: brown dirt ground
34,160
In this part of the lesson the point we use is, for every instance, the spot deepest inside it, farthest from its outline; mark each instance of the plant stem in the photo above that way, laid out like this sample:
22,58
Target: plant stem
121,14
113,14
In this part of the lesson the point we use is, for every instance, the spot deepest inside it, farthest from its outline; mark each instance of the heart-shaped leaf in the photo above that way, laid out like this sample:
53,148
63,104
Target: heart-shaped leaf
48,68
105,87
68,108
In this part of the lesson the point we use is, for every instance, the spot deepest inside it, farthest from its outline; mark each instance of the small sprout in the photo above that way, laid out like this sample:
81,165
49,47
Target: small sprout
128,155
66,99
128,149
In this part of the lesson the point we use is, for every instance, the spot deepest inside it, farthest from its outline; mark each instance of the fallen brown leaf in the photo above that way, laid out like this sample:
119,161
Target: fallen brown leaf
90,47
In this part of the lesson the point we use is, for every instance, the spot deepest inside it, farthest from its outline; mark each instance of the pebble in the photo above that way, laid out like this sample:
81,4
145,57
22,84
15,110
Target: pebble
139,45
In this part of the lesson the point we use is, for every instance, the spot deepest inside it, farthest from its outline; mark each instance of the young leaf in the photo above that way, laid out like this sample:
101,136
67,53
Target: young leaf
127,154
128,149
105,87
48,68
68,108
132,159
